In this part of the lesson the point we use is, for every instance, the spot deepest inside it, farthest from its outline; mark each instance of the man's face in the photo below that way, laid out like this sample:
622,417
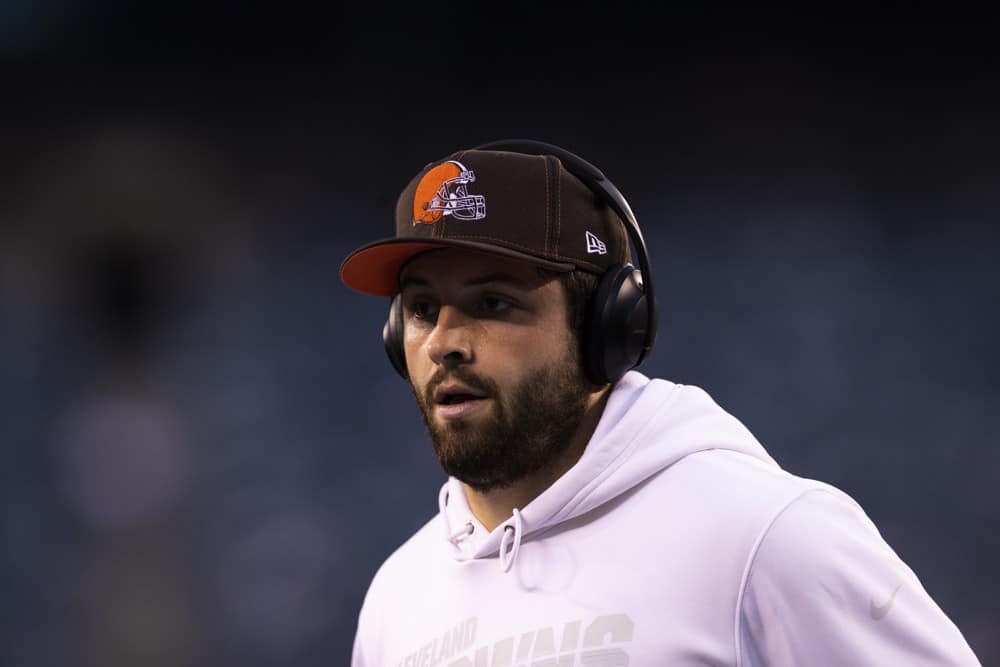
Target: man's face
492,364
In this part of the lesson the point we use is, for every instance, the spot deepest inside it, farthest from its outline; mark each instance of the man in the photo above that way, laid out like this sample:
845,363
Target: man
593,516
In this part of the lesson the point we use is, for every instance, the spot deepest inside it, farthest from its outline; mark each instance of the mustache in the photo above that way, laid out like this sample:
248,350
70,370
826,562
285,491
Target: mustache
463,375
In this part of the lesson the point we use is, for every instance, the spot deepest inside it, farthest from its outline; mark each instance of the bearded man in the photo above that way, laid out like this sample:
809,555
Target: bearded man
593,516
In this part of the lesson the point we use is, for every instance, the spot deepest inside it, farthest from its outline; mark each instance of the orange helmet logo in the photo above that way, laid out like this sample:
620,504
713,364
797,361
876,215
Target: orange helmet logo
444,190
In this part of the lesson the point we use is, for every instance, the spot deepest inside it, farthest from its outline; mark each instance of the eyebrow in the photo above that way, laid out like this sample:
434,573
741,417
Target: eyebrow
494,277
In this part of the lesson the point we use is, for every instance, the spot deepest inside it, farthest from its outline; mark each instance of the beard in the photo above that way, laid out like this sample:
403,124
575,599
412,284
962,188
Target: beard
529,427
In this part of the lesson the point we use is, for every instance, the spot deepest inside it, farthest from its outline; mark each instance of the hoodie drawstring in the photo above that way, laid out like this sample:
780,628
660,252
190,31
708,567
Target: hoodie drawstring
455,536
512,538
510,541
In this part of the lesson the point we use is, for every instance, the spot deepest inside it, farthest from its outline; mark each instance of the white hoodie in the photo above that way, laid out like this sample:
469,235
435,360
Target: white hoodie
674,540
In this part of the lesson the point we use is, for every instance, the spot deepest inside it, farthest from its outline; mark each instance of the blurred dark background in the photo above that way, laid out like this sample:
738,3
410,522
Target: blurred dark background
206,455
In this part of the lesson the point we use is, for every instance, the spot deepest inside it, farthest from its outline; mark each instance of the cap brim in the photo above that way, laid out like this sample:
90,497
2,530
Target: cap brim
374,268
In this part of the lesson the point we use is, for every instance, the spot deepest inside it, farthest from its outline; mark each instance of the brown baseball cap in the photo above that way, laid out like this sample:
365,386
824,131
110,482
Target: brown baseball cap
527,207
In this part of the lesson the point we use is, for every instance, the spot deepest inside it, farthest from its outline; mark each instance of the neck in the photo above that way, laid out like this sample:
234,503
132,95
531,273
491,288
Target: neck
491,508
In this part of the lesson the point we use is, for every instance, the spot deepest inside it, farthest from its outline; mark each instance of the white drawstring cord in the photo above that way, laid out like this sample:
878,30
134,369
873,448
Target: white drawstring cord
507,558
453,536
461,532
510,541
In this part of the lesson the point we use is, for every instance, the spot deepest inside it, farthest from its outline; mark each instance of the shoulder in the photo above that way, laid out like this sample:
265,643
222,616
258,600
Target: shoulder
397,573
820,516
411,557
736,485
824,532
822,584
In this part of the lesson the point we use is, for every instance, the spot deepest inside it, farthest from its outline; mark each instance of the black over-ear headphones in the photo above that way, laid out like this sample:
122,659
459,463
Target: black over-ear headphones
620,323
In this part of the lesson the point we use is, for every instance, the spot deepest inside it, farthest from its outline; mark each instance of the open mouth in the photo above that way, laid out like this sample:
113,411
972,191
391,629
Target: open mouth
454,400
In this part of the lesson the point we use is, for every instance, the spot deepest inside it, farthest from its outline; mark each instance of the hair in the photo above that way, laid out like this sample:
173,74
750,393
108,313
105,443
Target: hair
579,287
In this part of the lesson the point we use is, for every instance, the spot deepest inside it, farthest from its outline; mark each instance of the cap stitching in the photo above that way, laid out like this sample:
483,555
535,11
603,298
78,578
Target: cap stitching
493,238
545,243
503,242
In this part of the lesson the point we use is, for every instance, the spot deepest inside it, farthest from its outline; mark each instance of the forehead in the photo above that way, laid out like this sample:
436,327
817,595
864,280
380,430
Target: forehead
456,267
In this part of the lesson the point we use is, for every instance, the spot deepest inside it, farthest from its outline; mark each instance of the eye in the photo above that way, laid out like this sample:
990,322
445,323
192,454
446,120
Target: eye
495,304
422,309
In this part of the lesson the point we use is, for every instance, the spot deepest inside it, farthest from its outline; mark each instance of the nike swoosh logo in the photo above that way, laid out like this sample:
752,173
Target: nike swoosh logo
878,612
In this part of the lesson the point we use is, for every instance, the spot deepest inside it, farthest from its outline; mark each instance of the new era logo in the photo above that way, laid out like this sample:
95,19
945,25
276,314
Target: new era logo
596,245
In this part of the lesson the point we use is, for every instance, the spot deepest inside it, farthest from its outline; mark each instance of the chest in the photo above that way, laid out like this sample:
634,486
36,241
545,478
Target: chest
607,589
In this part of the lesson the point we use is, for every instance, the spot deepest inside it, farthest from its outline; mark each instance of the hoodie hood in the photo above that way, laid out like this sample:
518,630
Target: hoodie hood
647,426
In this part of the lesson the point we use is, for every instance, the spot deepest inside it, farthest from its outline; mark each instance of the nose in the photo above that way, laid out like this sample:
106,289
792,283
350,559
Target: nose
450,341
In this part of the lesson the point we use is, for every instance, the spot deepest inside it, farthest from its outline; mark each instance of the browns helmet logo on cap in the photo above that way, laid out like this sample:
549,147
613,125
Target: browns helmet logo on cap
444,190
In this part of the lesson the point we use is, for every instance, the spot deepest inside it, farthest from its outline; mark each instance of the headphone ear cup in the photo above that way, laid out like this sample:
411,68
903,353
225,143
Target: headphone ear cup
615,325
392,337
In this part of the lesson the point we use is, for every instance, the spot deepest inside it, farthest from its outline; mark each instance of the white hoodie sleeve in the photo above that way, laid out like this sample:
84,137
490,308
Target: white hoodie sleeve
824,588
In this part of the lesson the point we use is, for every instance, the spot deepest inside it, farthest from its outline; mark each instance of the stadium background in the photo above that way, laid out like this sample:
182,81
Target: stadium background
205,454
